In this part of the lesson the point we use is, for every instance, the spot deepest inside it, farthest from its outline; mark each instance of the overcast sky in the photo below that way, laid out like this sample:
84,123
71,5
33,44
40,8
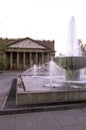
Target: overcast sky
42,19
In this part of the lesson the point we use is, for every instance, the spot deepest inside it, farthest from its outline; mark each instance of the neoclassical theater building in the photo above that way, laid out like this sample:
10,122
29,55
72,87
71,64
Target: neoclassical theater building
23,53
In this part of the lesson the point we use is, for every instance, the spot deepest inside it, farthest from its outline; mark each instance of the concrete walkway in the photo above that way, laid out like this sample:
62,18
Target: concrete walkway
73,119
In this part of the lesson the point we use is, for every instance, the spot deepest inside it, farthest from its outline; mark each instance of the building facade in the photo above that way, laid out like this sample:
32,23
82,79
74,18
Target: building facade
23,53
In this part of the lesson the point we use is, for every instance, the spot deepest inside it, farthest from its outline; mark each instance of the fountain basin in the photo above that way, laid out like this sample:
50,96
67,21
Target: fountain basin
72,66
49,95
71,62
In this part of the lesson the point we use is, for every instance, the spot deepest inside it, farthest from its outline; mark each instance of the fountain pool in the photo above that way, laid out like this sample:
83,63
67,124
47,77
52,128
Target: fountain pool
51,83
48,86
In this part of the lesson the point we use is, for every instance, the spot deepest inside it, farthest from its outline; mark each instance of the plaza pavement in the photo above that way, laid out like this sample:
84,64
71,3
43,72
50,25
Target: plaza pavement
72,119
6,79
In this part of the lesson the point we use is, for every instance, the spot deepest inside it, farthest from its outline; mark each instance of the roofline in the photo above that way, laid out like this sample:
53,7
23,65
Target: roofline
29,39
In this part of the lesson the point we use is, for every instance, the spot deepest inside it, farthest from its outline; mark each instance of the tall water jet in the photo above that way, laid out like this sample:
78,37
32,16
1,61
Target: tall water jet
72,62
52,71
35,73
72,44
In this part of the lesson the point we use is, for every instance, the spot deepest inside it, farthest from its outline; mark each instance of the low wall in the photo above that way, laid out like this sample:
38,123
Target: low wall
49,97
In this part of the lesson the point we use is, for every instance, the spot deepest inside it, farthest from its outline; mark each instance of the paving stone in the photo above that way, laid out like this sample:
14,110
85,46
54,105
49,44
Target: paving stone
77,127
2,96
46,121
26,122
70,112
7,122
0,103
81,120
42,121
65,120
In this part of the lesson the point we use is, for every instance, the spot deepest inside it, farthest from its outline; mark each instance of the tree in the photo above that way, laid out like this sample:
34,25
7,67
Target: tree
82,47
2,63
2,44
2,48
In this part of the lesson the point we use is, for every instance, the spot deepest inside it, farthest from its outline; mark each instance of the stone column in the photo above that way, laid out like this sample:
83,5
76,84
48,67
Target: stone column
36,58
4,56
17,60
31,59
11,60
42,58
23,60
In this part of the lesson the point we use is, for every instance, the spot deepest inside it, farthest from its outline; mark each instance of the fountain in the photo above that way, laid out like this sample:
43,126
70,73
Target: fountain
48,83
35,70
72,62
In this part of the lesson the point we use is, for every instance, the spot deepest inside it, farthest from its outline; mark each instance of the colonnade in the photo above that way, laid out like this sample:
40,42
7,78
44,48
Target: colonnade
23,60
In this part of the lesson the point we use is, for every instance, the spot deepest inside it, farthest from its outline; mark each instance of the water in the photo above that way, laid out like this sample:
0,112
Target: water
48,74
51,76
52,71
51,68
35,70
73,47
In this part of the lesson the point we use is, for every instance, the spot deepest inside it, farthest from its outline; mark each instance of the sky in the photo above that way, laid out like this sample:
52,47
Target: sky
42,19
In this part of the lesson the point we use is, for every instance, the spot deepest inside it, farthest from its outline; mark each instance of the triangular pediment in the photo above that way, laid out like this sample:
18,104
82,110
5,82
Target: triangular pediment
26,43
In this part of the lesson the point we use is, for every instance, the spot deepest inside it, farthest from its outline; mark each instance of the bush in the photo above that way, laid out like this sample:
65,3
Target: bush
2,63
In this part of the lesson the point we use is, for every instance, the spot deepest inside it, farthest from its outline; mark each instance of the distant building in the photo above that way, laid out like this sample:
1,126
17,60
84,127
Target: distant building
23,53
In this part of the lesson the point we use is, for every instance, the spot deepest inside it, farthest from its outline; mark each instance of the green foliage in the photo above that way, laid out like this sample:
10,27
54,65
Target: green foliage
2,59
2,44
3,62
83,49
